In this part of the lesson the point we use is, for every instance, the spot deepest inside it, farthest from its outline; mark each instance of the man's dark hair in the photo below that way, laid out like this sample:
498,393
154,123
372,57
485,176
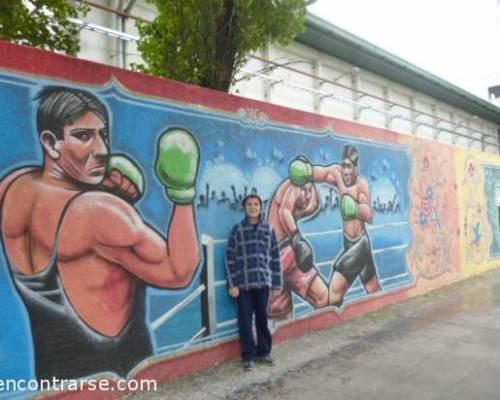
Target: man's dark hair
252,196
351,153
61,106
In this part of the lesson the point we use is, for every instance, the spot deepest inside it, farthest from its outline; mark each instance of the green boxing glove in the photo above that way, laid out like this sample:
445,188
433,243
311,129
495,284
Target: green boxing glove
348,207
177,163
126,168
300,171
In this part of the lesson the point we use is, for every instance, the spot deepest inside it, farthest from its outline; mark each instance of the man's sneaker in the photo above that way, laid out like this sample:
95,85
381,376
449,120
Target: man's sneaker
248,365
266,360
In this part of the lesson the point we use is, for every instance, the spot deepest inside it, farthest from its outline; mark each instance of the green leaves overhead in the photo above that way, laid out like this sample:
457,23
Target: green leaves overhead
41,23
204,42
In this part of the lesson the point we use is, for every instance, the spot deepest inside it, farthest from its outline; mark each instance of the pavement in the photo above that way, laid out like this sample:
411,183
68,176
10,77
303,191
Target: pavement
441,345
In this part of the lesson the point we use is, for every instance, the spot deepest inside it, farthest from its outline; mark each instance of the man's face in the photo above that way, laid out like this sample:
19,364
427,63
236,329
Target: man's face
306,192
252,208
349,172
84,149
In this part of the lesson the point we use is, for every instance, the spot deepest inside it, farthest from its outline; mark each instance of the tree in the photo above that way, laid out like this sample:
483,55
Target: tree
204,42
41,23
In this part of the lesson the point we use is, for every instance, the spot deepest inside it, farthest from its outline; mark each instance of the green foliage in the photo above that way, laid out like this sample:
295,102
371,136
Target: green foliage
41,23
204,42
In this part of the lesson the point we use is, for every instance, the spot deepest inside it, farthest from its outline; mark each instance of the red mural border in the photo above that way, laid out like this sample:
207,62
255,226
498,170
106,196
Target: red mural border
43,64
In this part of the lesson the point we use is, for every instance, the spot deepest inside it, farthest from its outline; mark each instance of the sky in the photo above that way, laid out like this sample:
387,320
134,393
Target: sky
457,40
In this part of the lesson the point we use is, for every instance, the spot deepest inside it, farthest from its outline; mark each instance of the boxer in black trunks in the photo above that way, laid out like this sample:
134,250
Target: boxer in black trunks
355,206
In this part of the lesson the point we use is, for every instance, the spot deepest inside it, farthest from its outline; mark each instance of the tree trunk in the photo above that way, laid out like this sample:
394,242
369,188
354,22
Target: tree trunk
221,75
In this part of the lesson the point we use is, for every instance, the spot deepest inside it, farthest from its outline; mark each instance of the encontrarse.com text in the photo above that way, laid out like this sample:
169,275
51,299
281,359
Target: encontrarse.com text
15,385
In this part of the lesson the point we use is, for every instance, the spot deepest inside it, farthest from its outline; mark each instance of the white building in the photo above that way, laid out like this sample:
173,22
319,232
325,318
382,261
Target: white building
325,70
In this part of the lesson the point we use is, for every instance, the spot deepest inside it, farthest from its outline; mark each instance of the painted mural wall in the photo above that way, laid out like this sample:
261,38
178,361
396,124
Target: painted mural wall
479,218
118,192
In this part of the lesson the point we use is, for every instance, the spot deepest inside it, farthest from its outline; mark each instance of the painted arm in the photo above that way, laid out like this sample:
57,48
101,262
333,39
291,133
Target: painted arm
111,228
331,174
365,212
285,213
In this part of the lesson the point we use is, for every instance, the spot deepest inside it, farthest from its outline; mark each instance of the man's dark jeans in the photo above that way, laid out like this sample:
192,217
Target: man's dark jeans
249,302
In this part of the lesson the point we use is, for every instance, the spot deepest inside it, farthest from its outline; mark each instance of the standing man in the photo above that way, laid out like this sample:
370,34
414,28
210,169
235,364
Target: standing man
356,258
296,198
80,256
253,268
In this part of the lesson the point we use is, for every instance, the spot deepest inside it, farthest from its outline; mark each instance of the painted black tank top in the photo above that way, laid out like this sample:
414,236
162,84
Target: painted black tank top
64,346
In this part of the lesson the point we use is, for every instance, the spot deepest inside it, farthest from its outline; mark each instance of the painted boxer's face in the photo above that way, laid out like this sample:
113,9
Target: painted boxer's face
305,196
349,172
84,149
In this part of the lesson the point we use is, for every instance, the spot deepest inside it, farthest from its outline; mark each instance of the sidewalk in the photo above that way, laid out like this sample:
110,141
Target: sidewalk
442,345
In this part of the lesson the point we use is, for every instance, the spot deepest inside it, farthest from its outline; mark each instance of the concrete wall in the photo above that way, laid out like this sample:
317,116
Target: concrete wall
434,206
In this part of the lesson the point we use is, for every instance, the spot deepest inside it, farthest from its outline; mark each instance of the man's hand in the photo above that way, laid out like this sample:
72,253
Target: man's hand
177,163
234,292
124,178
304,255
275,292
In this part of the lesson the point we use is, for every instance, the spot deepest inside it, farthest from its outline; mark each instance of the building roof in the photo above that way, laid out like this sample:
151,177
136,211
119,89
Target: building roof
336,42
